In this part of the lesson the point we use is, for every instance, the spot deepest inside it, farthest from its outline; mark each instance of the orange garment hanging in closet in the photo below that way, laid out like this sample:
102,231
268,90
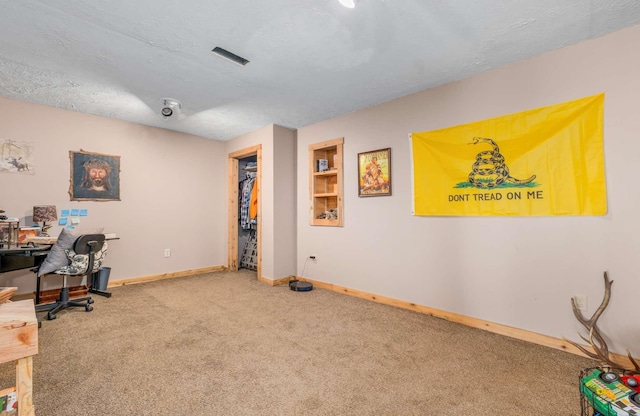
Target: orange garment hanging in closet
253,205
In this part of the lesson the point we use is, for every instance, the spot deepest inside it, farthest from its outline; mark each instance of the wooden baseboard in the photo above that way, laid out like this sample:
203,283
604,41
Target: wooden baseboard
521,334
154,277
275,282
122,282
52,295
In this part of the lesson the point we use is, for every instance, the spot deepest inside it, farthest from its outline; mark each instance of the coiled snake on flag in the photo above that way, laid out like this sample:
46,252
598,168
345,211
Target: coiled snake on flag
489,169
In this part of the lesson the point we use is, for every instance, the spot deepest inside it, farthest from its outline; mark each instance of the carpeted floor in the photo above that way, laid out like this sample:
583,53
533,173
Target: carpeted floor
224,344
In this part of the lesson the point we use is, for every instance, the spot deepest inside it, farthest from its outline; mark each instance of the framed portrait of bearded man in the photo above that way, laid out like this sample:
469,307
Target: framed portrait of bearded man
94,176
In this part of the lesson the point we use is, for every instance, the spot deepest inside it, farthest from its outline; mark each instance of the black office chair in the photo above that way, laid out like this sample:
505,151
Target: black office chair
86,247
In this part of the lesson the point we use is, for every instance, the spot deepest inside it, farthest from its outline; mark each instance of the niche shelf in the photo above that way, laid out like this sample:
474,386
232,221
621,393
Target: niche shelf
325,183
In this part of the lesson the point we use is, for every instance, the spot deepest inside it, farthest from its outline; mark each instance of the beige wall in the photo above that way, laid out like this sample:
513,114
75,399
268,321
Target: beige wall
172,189
284,144
518,271
276,200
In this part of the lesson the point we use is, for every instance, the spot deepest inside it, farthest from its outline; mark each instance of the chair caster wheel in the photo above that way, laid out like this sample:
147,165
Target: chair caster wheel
88,308
51,317
90,301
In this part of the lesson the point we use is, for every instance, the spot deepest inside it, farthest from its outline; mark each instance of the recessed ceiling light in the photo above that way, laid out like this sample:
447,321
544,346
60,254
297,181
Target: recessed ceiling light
230,56
348,3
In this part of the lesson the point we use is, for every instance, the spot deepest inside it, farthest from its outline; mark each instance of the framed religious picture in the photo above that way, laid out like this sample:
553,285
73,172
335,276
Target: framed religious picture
374,173
94,176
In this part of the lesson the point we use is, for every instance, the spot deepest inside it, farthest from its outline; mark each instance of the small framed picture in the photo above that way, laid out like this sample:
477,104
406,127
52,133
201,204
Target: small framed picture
374,173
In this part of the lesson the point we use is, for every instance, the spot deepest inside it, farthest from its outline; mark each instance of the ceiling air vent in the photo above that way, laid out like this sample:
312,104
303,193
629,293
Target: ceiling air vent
230,56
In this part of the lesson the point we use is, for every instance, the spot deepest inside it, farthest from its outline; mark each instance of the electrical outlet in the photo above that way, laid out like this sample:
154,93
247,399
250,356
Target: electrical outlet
313,259
167,252
581,302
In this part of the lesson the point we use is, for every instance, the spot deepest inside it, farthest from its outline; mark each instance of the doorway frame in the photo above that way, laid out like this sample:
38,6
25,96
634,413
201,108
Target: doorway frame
232,208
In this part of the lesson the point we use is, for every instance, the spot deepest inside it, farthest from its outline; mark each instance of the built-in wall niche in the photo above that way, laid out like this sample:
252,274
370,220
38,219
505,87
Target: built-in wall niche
325,183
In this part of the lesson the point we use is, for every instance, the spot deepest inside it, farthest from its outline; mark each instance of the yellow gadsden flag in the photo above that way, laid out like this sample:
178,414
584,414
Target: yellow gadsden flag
546,161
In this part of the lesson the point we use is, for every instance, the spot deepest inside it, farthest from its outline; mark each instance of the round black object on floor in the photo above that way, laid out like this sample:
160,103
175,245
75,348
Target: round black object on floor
299,286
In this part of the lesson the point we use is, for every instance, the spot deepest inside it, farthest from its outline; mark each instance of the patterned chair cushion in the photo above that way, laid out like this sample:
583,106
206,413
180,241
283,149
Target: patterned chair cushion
78,262
56,257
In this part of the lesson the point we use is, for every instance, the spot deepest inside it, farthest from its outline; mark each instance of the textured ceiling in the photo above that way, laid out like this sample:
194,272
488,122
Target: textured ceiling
310,60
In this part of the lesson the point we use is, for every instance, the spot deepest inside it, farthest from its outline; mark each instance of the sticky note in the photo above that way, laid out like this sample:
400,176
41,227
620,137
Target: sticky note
75,220
75,212
64,213
62,221
84,212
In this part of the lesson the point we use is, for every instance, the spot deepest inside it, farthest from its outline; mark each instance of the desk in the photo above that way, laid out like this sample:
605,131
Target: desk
22,257
18,258
19,342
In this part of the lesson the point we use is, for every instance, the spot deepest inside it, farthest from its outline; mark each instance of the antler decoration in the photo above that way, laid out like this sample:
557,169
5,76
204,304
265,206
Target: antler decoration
595,340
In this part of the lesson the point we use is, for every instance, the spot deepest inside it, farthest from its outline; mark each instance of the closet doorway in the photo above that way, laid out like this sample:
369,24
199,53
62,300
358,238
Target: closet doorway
238,237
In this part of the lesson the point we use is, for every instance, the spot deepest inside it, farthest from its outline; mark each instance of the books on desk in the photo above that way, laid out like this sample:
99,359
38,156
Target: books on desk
27,232
52,240
40,240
